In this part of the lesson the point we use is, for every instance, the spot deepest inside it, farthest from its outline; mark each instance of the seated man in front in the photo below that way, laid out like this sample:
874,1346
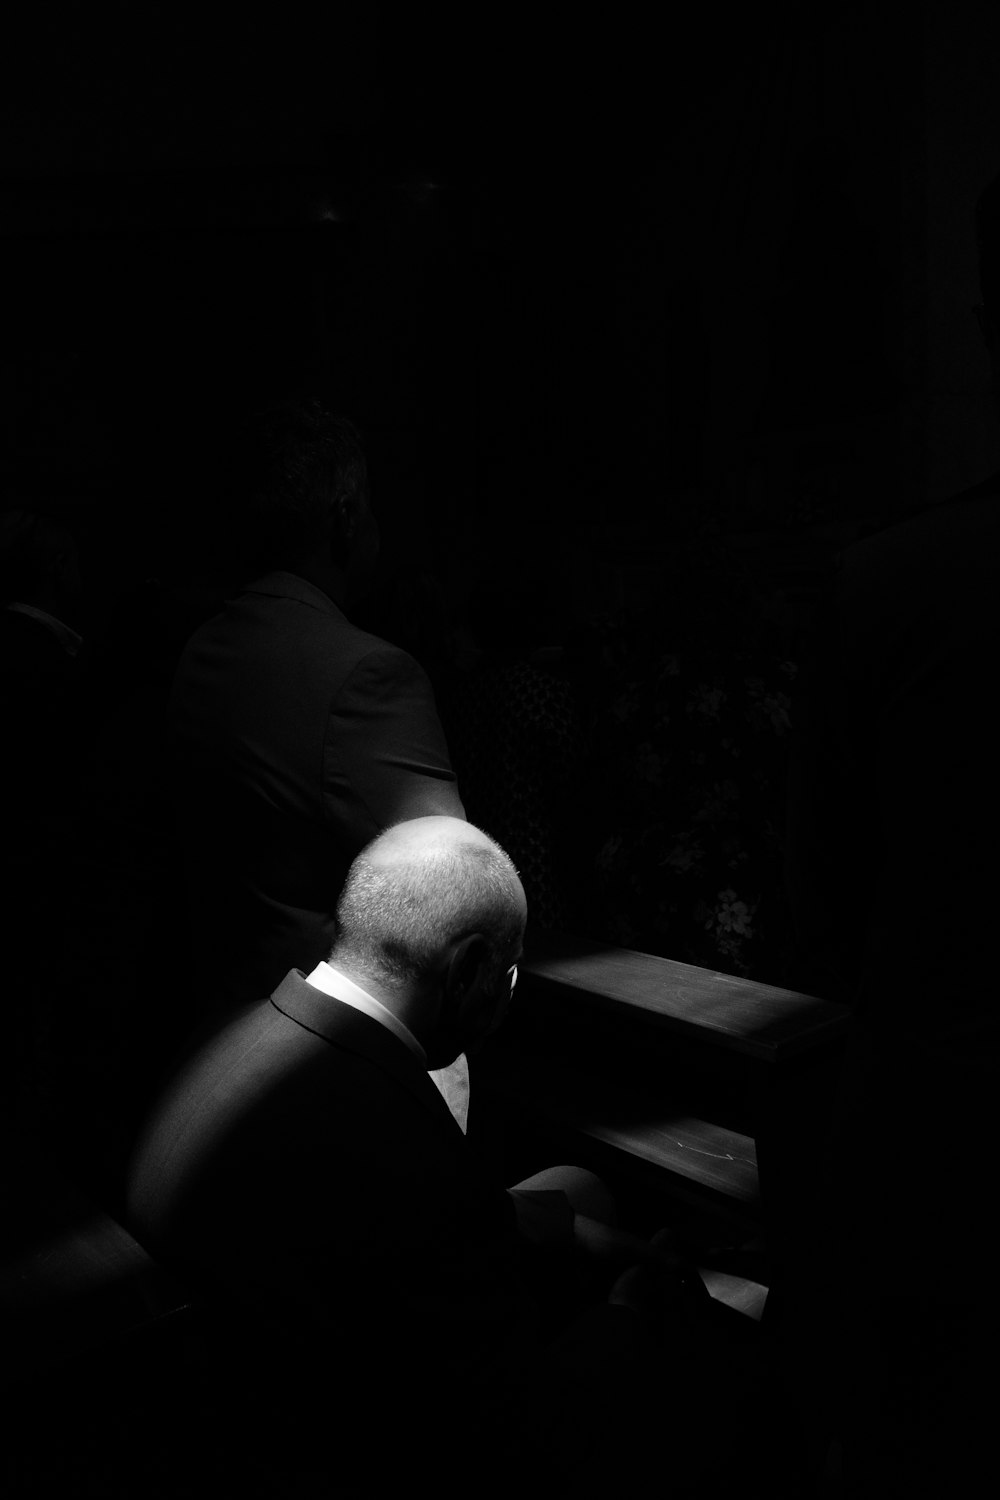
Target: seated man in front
303,1167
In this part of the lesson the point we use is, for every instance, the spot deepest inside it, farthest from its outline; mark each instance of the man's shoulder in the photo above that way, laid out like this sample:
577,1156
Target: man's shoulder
282,624
286,1085
260,1060
295,1031
302,609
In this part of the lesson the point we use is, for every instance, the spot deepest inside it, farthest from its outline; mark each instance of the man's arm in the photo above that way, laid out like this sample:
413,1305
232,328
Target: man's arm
546,1218
385,756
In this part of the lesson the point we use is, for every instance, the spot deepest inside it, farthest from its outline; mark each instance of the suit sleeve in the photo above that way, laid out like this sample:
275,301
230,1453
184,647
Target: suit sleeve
385,756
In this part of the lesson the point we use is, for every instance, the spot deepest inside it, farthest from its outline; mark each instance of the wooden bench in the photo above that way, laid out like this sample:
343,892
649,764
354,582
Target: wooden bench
674,1081
676,1000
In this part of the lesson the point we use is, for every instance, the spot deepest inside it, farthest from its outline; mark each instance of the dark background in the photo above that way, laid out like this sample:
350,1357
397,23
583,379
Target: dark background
625,303
564,270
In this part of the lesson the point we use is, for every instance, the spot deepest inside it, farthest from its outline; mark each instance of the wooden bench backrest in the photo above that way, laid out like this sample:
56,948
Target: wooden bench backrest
760,1021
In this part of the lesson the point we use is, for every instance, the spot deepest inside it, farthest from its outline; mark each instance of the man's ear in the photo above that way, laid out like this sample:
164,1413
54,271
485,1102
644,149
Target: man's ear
346,517
466,967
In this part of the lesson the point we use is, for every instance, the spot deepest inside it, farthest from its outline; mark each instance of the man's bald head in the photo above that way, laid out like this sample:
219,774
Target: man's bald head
419,889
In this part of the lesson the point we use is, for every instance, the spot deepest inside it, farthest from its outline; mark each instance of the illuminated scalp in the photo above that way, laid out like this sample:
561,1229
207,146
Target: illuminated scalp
406,901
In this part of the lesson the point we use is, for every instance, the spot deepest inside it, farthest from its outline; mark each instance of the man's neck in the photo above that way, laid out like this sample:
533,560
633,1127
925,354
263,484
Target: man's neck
407,1006
359,991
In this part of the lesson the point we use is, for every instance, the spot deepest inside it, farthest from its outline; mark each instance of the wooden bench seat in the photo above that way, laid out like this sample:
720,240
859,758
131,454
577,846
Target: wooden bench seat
676,1000
694,1155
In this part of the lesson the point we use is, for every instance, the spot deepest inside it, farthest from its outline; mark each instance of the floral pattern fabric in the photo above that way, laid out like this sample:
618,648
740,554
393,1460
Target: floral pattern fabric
690,720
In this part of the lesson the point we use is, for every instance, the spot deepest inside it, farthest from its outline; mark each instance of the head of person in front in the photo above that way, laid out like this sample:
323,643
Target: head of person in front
430,927
302,478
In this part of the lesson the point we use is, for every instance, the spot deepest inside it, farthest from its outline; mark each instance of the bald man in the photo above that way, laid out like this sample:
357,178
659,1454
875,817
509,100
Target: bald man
302,1166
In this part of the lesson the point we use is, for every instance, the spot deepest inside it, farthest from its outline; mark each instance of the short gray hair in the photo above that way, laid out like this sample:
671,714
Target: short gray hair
397,919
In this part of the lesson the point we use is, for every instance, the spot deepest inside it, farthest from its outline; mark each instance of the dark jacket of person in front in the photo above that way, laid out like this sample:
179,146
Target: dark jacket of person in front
296,737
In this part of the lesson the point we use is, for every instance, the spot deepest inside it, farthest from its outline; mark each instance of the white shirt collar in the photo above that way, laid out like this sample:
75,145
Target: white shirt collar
68,638
332,982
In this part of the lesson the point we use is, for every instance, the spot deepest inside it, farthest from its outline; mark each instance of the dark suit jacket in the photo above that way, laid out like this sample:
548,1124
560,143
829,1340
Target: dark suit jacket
302,1167
297,738
303,1137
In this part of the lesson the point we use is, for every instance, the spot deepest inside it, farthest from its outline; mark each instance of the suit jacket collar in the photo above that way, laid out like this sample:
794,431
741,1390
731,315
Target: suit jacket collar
284,585
343,1026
